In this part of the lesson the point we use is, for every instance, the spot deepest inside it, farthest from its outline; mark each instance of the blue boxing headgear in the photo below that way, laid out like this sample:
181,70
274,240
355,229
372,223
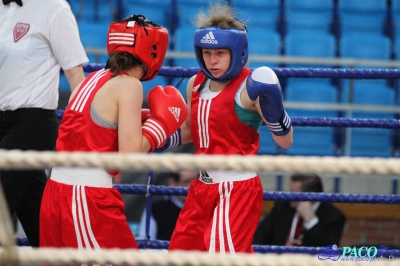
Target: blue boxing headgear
216,38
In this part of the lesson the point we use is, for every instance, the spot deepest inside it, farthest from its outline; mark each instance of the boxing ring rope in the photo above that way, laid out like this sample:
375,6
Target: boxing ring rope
331,122
157,190
272,255
282,59
16,159
187,72
29,159
134,257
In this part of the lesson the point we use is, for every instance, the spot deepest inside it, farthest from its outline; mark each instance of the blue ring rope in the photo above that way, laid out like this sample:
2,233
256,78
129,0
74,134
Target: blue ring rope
187,72
271,195
329,122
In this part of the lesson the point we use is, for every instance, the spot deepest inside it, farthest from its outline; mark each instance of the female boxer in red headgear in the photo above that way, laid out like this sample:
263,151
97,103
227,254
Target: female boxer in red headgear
80,207
227,104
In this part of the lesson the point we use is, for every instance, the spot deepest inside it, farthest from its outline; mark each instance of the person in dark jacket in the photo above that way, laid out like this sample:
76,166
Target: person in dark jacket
301,223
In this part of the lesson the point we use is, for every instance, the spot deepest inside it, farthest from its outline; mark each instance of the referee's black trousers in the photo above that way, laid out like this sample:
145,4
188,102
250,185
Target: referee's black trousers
26,129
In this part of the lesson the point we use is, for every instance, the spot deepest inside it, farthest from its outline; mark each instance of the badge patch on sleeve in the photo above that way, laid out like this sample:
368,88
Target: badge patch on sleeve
20,30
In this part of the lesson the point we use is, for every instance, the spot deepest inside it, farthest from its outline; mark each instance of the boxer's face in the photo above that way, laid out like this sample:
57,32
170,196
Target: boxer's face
217,61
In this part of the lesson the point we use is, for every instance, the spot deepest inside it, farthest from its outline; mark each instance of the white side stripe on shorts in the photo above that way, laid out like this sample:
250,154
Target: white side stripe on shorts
75,219
82,223
222,218
212,237
227,208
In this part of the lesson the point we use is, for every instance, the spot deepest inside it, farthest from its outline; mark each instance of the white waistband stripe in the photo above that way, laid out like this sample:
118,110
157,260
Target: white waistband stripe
91,177
214,177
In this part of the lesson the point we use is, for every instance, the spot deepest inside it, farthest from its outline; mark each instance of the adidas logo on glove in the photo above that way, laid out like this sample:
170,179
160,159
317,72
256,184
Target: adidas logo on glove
209,38
175,111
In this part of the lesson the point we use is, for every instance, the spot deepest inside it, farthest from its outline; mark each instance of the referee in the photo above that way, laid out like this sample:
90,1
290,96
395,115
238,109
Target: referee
37,39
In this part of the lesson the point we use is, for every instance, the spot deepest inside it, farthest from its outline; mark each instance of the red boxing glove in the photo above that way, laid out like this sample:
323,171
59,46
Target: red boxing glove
168,112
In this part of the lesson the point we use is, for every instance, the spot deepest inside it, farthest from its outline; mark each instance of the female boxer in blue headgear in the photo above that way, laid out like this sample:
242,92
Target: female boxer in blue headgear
227,103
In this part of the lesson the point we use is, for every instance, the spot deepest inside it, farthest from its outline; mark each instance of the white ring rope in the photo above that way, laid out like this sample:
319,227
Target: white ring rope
11,255
146,257
169,161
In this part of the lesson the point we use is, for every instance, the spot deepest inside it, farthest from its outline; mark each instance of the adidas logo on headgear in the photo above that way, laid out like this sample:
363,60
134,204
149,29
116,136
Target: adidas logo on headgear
175,111
209,38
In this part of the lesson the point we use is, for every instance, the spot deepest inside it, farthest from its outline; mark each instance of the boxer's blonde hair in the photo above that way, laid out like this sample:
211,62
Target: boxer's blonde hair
218,15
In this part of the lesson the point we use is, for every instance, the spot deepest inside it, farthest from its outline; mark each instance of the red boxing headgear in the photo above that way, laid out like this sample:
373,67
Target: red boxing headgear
142,38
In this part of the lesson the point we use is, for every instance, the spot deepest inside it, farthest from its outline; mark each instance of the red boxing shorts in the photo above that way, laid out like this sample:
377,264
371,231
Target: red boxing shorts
219,217
88,218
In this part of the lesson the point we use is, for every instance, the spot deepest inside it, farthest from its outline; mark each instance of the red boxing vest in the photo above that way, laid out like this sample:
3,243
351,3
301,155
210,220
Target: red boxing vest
77,131
215,127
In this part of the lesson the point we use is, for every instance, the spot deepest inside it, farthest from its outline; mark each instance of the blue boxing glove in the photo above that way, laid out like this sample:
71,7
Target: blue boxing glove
172,141
264,83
